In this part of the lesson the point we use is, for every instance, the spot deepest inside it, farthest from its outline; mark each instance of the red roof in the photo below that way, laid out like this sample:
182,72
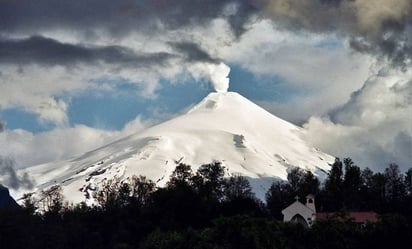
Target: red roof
358,217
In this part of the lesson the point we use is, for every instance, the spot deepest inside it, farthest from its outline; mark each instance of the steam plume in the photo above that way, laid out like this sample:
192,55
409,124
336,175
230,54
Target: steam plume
219,76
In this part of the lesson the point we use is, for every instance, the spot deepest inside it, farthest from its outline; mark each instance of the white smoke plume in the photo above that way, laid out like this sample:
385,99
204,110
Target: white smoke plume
219,76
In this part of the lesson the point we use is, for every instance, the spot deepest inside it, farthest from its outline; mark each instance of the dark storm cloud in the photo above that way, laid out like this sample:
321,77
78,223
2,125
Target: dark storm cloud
12,179
46,51
193,52
380,27
243,13
115,16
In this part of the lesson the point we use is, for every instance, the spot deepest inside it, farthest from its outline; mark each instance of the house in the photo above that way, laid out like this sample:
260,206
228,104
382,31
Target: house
306,214
358,217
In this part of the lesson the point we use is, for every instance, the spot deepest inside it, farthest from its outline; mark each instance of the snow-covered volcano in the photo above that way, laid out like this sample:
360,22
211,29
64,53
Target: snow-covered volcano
223,127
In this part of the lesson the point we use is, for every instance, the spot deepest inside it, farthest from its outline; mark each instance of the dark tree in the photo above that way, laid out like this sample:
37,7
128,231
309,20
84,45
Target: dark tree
295,178
278,197
370,198
352,185
309,184
395,191
302,182
52,199
30,203
408,187
141,189
377,192
333,191
210,180
408,181
238,198
109,196
237,187
182,175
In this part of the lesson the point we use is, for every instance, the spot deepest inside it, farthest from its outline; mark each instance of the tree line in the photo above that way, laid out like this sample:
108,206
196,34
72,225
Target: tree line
347,187
204,209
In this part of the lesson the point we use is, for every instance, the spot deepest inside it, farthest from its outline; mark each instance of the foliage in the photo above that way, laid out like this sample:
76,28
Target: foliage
203,209
281,194
51,200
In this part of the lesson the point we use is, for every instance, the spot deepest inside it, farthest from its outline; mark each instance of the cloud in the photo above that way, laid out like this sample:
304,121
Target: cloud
309,73
374,127
39,75
378,26
193,52
50,52
50,110
297,57
10,178
119,18
66,52
37,91
60,143
2,126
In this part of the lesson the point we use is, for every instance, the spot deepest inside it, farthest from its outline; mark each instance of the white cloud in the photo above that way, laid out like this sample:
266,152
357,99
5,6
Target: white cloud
374,127
38,88
53,111
33,89
28,149
321,67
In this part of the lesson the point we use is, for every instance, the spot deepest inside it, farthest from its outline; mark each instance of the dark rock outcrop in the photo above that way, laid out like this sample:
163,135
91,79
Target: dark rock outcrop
6,201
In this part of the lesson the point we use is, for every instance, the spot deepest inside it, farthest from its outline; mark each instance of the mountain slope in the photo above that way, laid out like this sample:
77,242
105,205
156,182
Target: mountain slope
223,127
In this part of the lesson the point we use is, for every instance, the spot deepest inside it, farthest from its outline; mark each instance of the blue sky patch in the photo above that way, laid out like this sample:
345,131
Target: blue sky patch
112,109
20,119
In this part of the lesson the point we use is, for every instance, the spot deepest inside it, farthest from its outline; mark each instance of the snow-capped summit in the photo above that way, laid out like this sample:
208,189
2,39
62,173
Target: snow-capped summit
223,127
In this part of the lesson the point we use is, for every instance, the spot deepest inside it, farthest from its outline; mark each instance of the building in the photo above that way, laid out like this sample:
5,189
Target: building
306,214
358,217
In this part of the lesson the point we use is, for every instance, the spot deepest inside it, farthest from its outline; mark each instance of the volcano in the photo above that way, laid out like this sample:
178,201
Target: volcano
224,127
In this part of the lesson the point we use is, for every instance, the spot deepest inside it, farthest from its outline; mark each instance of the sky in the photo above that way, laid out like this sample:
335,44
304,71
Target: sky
75,75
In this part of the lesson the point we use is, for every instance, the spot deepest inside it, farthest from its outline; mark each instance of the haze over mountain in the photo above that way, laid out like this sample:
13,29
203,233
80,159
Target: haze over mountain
224,127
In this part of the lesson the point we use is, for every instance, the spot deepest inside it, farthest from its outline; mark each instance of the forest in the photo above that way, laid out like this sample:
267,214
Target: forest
205,209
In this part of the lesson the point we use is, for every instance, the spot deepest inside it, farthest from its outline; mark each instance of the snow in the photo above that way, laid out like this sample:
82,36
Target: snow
223,127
